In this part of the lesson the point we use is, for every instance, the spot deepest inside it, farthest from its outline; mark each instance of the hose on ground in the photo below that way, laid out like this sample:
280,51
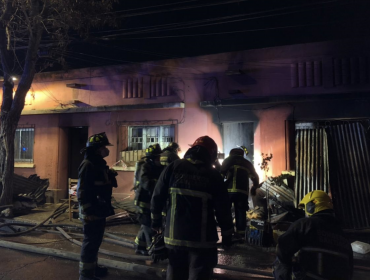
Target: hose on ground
31,229
106,252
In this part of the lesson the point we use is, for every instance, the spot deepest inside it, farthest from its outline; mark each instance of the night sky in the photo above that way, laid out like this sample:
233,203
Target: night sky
158,29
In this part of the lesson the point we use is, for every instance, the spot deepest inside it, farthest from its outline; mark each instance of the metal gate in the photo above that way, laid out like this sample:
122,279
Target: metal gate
349,172
334,156
312,164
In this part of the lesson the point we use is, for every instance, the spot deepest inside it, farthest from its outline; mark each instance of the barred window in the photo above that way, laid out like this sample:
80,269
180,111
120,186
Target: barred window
141,137
23,143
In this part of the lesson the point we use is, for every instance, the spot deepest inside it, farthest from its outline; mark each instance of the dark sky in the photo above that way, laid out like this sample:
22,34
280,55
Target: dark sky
158,29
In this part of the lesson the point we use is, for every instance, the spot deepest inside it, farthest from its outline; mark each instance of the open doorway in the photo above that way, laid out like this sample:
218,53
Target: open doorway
77,137
239,134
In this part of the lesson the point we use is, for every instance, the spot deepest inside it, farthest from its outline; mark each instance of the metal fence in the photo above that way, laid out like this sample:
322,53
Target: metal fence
312,164
335,156
349,172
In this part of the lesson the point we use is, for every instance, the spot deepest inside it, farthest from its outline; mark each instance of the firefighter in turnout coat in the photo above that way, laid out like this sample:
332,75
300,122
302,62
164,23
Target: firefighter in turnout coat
324,251
237,170
196,195
169,154
150,170
94,191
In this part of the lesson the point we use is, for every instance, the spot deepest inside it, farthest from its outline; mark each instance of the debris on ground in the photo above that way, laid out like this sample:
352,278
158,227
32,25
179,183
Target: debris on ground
28,193
121,219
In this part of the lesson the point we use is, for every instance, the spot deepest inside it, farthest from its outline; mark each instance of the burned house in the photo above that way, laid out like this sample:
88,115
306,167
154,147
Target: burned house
307,104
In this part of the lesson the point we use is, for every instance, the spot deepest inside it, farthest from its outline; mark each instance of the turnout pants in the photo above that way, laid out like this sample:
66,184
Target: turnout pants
240,201
144,236
192,264
93,237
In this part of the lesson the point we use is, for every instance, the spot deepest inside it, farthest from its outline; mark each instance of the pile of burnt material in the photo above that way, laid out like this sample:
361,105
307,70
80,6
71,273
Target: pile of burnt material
28,193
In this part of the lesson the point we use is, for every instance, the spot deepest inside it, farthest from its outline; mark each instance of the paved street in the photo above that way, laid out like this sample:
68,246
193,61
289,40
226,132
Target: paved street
16,265
19,265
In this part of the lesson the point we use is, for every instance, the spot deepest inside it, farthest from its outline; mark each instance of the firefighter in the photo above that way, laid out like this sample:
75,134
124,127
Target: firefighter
148,176
94,193
324,251
196,195
169,154
137,174
237,170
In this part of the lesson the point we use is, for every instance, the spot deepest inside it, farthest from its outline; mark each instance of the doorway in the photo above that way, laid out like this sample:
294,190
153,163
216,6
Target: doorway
239,134
77,137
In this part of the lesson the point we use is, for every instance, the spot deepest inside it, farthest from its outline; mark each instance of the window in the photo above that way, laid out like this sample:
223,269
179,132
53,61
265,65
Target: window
137,138
23,143
141,137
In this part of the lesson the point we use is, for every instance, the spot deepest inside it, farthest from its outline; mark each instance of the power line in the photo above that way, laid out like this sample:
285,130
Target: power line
229,21
183,8
232,32
148,7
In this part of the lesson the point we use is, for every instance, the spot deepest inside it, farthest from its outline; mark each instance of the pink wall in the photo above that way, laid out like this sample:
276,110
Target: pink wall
50,150
270,138
46,154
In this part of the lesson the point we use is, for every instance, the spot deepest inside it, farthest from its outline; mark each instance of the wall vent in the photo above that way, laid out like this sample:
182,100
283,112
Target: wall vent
133,87
148,87
306,74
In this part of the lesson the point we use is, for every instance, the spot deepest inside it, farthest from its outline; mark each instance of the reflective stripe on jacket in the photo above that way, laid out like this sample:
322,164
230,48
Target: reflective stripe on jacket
237,171
137,173
148,177
196,194
167,157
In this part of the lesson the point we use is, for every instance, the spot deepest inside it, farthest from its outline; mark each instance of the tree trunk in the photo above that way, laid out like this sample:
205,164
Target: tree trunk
11,108
7,133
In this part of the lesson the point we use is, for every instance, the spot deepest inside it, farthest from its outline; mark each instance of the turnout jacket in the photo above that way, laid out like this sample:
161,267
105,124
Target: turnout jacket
148,177
167,157
237,171
195,195
137,173
319,233
94,188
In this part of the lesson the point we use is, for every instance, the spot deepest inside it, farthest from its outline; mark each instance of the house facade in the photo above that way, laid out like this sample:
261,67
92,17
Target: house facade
307,105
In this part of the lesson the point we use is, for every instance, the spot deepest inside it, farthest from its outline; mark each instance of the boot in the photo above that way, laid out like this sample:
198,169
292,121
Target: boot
101,271
140,250
143,252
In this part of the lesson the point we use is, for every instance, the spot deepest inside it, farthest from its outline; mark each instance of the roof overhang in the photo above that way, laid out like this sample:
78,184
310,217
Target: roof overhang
89,109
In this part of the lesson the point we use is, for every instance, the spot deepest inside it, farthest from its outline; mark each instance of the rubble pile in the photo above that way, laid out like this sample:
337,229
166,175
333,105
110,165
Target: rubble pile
28,193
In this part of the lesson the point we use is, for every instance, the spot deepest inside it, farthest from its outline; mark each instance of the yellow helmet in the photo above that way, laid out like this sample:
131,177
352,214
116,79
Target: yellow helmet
316,201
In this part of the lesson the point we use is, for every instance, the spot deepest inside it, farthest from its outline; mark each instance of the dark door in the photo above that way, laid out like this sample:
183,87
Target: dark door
77,137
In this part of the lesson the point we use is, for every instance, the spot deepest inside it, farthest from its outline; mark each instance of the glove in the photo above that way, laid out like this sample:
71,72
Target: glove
226,241
158,249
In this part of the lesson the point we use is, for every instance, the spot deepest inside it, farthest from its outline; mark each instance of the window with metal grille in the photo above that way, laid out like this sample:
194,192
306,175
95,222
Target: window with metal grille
141,137
23,143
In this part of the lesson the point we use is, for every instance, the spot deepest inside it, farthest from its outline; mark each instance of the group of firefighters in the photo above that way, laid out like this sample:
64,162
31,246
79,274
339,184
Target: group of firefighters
181,202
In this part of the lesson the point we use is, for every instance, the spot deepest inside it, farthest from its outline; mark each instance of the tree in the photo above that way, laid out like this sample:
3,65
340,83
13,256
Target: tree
29,23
